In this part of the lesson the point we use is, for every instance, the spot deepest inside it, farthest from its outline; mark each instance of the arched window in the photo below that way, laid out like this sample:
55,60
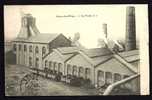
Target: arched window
30,48
36,49
46,63
14,47
100,78
25,48
117,77
59,67
43,51
81,71
20,47
30,61
108,77
56,67
75,70
69,69
37,62
87,73
54,63
50,64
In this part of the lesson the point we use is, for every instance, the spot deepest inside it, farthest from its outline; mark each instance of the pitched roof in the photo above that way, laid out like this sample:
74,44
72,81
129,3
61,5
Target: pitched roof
130,56
41,38
96,55
129,53
96,52
68,50
101,59
123,58
128,65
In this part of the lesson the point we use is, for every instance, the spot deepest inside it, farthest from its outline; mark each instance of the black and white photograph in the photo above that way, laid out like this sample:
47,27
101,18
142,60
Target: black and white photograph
76,50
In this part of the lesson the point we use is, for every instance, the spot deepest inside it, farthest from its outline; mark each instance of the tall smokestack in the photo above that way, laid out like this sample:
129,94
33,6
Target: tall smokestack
105,29
130,29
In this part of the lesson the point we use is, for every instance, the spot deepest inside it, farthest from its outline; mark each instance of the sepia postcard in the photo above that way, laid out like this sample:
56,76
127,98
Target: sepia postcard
76,50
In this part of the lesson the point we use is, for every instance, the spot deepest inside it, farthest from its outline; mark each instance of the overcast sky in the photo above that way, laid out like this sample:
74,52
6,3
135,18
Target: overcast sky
51,19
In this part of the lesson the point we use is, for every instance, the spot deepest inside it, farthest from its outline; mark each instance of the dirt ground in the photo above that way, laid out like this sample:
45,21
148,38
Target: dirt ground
14,73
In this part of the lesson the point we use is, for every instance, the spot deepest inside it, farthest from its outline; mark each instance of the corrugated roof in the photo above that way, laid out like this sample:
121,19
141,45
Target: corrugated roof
41,38
95,52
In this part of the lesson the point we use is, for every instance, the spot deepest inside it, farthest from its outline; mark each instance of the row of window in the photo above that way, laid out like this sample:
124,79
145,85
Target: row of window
78,71
53,66
30,48
74,70
36,62
108,76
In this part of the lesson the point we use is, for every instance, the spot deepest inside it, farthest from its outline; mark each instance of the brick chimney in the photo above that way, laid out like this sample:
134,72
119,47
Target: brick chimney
28,27
130,29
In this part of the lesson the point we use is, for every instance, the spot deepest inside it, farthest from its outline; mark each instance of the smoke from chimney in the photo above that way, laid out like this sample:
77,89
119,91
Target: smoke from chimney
130,29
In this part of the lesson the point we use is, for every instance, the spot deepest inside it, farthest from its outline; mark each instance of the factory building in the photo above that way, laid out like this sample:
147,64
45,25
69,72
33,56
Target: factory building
55,57
55,62
31,46
117,68
85,61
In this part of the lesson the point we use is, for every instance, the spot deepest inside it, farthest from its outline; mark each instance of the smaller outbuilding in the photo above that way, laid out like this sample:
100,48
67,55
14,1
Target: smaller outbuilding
118,67
54,62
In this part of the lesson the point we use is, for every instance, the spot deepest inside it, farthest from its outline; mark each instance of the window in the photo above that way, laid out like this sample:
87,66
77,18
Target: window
108,77
50,64
25,48
43,51
56,66
37,62
14,47
30,61
69,69
59,67
117,77
36,49
81,71
74,70
30,48
87,73
54,63
100,78
20,47
46,63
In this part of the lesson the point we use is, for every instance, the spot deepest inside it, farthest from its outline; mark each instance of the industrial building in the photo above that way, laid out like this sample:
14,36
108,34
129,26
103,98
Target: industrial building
54,56
31,46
